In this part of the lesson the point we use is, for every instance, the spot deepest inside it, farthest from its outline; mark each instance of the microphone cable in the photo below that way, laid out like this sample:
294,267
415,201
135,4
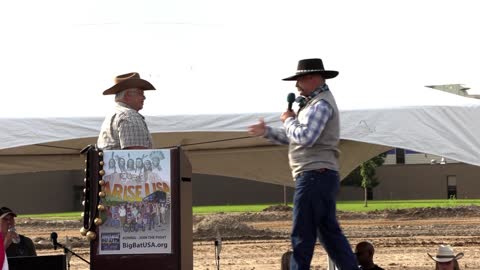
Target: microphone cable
220,140
213,141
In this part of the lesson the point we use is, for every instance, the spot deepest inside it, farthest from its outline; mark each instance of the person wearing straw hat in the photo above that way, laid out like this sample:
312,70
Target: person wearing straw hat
125,127
313,136
445,259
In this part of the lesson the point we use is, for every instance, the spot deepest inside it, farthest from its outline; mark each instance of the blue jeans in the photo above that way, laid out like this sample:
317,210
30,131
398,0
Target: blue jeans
314,211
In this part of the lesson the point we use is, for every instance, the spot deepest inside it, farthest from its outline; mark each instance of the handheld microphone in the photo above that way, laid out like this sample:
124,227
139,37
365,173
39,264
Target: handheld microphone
53,237
290,100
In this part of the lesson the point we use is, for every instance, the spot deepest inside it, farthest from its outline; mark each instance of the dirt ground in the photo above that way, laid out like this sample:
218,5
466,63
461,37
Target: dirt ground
257,240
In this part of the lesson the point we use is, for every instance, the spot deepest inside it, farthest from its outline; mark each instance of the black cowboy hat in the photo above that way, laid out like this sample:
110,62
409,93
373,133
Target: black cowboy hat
312,66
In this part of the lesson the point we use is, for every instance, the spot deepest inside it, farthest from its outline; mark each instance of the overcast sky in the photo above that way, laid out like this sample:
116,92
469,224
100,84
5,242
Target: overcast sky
217,56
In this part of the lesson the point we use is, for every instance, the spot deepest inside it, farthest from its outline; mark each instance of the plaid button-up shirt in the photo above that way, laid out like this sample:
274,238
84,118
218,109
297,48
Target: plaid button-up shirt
306,133
123,128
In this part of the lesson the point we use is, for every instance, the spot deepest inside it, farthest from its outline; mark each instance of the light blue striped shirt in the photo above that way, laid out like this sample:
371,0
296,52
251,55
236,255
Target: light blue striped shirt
307,132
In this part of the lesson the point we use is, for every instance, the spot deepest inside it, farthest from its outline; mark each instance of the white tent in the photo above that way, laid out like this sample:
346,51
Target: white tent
421,119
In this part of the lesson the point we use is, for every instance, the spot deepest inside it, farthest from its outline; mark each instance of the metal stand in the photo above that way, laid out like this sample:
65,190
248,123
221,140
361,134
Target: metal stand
218,248
66,250
331,264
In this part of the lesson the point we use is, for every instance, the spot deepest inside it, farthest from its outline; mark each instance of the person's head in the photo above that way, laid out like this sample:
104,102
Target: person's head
133,97
306,84
129,89
451,265
148,165
121,162
139,163
364,251
111,163
445,259
310,75
156,161
7,219
130,164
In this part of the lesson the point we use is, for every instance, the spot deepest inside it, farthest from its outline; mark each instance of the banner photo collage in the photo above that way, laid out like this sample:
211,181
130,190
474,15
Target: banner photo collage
137,219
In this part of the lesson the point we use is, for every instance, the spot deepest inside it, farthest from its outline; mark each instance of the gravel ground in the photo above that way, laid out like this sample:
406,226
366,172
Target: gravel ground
258,240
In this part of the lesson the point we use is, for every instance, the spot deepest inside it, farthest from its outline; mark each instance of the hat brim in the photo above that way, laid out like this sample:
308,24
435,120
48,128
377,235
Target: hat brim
326,74
130,83
8,213
457,257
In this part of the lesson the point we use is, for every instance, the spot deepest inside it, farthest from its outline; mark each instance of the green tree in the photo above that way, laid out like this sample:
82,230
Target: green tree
364,175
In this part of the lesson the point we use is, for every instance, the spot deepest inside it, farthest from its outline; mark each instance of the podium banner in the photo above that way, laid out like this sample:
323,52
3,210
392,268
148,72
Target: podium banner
138,205
138,209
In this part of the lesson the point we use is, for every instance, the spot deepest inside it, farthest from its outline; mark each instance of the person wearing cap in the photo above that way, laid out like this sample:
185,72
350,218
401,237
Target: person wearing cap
364,251
3,255
24,247
125,127
445,259
313,136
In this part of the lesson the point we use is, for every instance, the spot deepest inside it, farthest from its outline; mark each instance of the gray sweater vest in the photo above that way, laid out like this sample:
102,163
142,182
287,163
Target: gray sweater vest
324,153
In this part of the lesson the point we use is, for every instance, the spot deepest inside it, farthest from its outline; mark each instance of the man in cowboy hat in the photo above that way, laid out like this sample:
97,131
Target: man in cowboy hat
446,259
125,127
313,137
14,244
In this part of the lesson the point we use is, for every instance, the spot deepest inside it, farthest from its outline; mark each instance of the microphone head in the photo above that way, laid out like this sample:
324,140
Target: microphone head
53,237
291,98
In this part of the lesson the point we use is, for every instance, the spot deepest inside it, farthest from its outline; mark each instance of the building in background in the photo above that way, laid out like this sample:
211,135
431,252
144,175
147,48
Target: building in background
409,175
405,175
62,191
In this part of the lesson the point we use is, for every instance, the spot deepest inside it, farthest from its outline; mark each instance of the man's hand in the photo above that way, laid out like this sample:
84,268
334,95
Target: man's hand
286,115
257,129
8,239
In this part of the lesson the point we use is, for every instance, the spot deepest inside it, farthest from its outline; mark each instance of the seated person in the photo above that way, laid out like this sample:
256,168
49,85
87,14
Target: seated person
364,251
24,245
446,259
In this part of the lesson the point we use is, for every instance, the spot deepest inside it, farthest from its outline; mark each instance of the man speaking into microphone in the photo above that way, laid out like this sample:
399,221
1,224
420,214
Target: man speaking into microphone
313,136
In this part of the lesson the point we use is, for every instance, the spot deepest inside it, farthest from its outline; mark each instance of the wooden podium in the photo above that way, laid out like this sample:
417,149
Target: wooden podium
138,216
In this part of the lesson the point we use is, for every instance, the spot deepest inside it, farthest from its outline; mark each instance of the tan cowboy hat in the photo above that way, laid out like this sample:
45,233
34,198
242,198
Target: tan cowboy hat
127,81
312,66
445,254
